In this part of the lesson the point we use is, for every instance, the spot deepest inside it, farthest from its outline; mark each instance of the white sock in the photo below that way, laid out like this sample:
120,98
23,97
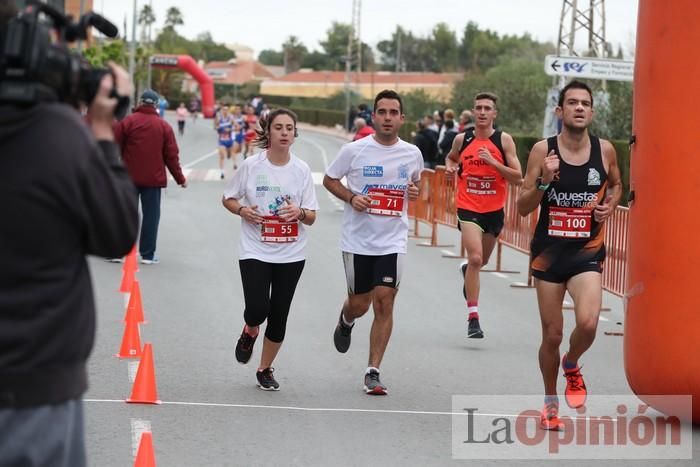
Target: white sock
472,309
346,322
371,368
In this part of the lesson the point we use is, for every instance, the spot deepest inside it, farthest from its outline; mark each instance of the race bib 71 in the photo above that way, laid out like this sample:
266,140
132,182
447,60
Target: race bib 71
385,202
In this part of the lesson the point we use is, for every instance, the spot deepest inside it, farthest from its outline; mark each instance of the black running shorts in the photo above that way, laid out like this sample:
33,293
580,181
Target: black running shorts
561,264
488,222
364,272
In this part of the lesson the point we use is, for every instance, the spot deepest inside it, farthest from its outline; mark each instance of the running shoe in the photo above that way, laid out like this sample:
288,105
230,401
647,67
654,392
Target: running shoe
341,335
372,384
222,175
474,331
463,268
114,260
266,380
244,347
575,392
549,419
153,260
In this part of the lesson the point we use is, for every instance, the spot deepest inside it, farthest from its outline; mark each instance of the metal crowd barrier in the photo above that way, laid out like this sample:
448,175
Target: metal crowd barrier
436,206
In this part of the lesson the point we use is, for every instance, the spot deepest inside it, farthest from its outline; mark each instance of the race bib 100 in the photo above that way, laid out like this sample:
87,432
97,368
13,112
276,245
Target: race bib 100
569,222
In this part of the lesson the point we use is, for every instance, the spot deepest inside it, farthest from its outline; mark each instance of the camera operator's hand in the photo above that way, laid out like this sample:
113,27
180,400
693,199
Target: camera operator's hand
101,110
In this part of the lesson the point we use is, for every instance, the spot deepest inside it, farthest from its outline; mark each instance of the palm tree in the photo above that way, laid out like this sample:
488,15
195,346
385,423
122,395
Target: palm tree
173,17
146,18
294,52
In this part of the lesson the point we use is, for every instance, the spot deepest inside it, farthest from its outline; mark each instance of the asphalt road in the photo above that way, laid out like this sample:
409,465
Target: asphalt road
214,415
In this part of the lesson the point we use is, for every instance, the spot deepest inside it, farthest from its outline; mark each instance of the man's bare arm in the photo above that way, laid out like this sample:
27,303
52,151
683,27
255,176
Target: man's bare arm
452,159
340,191
529,197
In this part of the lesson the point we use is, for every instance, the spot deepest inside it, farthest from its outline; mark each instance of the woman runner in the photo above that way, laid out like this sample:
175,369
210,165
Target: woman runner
273,193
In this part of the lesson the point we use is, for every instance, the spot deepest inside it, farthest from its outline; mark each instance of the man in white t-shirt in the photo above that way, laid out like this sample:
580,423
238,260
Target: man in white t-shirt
381,171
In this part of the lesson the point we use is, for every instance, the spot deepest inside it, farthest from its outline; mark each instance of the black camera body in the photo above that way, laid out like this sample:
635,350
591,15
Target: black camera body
36,64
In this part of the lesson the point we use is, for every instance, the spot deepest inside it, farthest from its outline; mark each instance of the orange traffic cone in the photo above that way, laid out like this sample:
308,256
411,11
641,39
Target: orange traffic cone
144,390
131,342
130,261
134,311
127,280
145,456
129,271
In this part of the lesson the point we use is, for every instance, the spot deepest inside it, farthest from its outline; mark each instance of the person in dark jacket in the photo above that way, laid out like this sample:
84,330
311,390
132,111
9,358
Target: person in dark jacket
148,147
445,144
365,113
426,140
65,194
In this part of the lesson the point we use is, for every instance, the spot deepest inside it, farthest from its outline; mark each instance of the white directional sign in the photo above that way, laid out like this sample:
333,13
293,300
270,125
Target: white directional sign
588,67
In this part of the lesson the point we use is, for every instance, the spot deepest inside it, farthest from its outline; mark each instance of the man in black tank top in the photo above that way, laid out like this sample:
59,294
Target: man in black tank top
575,180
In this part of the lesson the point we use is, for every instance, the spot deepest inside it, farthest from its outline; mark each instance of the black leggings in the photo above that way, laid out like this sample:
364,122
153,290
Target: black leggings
268,289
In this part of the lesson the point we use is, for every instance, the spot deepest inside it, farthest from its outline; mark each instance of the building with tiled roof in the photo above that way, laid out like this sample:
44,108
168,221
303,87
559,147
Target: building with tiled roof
308,83
234,71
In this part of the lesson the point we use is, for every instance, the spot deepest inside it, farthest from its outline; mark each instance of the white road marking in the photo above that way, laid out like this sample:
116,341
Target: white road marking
212,175
500,274
197,161
133,368
601,318
329,409
137,428
447,253
324,155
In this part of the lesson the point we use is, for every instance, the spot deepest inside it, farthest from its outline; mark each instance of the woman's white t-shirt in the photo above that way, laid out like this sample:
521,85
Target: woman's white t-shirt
367,164
260,183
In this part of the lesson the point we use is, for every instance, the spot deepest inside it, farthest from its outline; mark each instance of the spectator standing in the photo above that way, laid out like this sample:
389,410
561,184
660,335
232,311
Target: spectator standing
148,146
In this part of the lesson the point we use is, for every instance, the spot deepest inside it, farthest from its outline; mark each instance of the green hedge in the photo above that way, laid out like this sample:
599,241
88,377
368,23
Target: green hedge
320,116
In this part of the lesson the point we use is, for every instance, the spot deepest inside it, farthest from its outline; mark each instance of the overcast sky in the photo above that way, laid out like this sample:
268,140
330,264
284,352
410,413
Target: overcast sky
265,24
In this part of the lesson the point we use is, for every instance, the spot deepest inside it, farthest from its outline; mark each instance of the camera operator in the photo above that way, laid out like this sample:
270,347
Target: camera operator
65,194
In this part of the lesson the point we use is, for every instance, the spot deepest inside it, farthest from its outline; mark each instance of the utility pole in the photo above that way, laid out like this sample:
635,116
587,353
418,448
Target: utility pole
398,56
356,27
82,10
353,38
132,51
575,19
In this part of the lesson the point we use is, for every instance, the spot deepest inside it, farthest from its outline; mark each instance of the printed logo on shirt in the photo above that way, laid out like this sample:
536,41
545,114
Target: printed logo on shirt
593,177
261,191
572,200
384,186
279,201
403,171
387,279
373,171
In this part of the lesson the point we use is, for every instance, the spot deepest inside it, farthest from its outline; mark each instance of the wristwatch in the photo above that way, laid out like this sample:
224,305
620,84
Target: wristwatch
541,186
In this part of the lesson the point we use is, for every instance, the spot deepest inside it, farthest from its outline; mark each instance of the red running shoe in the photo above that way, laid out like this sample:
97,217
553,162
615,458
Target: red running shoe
575,392
549,420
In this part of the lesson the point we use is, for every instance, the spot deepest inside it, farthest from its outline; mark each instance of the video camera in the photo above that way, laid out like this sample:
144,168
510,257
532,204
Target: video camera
36,64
